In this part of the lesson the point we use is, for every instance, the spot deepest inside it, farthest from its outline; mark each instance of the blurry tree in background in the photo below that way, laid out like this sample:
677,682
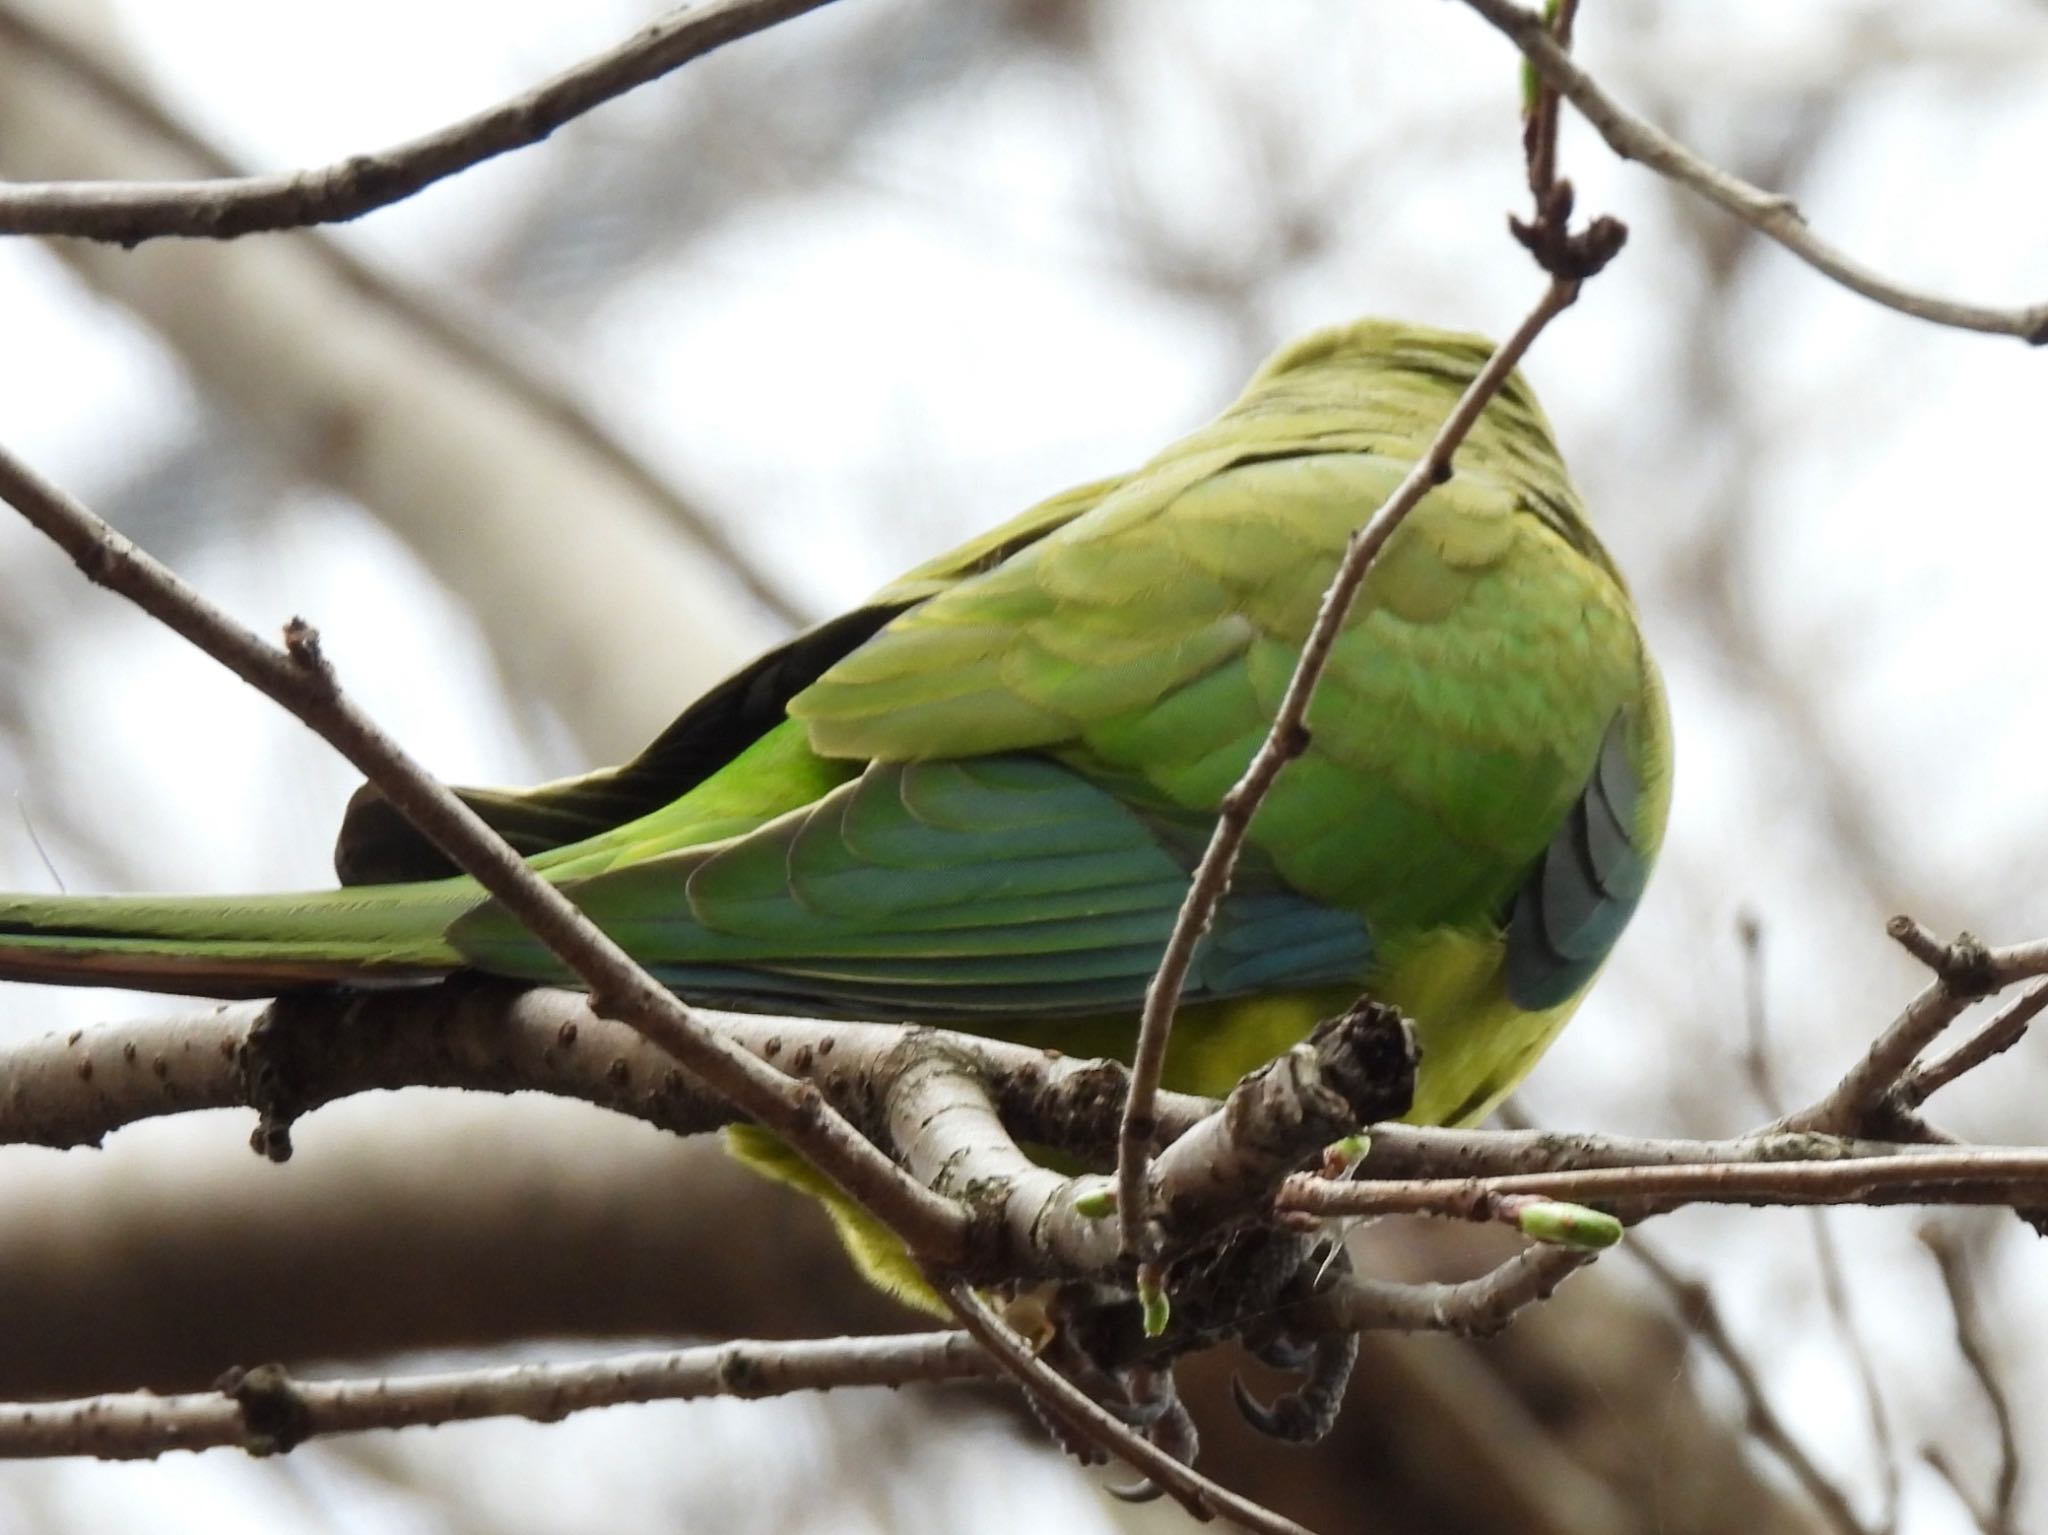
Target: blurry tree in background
546,449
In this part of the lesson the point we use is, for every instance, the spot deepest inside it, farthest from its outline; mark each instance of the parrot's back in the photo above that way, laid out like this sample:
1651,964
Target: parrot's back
977,799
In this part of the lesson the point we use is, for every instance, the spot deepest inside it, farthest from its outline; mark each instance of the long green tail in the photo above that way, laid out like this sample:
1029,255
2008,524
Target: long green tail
233,945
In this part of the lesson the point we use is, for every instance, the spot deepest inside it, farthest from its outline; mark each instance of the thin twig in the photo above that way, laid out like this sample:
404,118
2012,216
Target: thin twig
299,678
1770,214
1977,1353
1756,1051
2006,1029
267,1412
1973,1176
1076,1411
1964,972
1827,1254
1540,132
1470,1308
1425,1151
127,213
1286,740
1695,1302
421,311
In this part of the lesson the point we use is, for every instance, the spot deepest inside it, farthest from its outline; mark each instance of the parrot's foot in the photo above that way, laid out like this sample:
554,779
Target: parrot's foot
1305,1414
1324,1361
1141,1397
1166,1422
272,1064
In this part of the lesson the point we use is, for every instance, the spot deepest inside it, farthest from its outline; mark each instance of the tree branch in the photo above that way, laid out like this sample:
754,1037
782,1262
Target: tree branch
74,1089
2005,1030
1996,1516
1906,1175
128,213
1867,1098
1470,1308
1075,1410
299,678
459,334
1286,740
1695,1302
265,1411
1768,213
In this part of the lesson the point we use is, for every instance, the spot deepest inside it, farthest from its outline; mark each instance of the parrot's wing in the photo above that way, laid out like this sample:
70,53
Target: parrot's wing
376,845
1008,885
1582,892
1149,643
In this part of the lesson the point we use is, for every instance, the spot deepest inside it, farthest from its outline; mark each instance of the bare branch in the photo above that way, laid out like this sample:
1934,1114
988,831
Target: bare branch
73,1089
127,213
299,678
1907,1175
1092,1422
1425,1151
1695,1302
1768,213
1352,1070
1470,1308
265,1411
1827,1252
1865,1098
1539,131
423,312
1285,741
2006,1029
1997,1517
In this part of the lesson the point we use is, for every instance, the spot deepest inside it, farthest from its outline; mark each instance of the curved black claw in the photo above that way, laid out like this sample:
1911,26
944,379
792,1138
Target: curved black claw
1284,1351
1144,1490
1175,1432
1305,1414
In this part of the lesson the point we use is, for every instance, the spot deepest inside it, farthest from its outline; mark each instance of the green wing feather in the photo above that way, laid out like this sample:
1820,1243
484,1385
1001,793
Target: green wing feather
1002,885
977,798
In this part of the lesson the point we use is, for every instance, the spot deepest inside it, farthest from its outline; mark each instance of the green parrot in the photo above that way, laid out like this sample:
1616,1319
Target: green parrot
976,800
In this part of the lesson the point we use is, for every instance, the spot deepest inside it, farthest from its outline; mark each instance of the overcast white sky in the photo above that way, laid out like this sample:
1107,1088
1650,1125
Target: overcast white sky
940,333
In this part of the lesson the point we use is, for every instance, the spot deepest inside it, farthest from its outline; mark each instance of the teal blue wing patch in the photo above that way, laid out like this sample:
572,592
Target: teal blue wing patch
1583,889
946,890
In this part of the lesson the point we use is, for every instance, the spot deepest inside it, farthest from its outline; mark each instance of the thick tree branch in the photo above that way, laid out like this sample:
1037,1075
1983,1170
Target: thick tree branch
127,213
74,1089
